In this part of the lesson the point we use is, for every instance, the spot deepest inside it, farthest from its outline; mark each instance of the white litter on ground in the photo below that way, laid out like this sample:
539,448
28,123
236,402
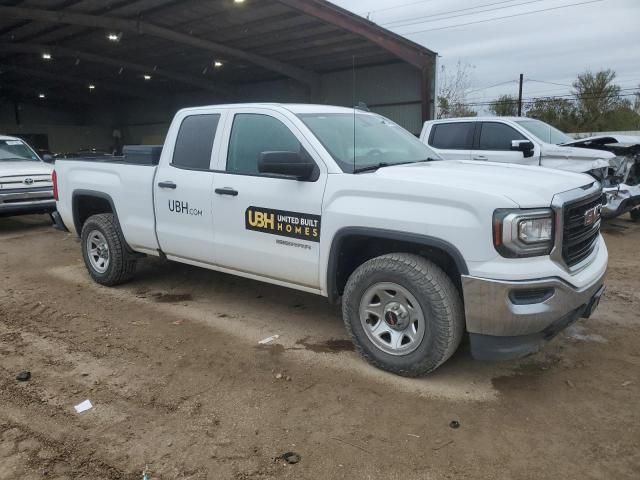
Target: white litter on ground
270,339
83,406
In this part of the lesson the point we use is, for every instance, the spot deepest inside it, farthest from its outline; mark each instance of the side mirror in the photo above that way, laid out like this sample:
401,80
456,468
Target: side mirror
289,164
48,158
524,146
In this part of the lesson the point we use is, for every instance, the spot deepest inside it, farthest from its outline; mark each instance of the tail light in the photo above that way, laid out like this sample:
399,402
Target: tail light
54,179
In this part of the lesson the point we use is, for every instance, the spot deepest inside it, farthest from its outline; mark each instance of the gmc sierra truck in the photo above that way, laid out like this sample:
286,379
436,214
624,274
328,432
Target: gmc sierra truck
348,205
25,180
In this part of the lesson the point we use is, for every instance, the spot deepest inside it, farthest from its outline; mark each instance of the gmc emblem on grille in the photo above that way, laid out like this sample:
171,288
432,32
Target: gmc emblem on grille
592,215
28,181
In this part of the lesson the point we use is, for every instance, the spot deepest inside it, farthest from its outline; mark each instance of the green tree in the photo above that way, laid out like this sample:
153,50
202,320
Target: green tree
452,92
447,109
559,112
504,106
597,96
597,106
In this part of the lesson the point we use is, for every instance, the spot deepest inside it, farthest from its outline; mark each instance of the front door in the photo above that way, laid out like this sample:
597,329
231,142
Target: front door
183,189
494,145
265,225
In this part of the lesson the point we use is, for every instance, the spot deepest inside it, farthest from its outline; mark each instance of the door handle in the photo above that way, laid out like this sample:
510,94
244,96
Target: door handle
170,185
480,157
227,191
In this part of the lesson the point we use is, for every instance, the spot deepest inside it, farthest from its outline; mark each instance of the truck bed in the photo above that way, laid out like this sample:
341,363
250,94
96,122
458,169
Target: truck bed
125,183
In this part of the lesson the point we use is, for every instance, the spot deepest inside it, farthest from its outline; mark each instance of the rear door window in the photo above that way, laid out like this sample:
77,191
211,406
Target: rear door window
452,136
498,136
194,144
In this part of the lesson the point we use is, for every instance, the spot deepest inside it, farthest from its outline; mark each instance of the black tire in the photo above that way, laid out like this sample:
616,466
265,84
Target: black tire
435,292
635,215
121,265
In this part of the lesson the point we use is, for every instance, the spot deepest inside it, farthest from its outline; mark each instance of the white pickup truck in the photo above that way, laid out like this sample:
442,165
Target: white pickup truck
348,205
527,141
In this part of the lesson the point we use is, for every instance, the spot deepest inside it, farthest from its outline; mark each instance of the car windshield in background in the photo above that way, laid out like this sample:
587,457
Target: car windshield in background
16,150
544,131
377,141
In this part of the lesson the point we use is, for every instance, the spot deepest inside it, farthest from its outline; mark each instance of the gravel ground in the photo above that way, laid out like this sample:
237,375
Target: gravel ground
178,382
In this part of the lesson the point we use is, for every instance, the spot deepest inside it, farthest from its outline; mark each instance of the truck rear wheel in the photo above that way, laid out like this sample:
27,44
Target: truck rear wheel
403,313
103,251
635,215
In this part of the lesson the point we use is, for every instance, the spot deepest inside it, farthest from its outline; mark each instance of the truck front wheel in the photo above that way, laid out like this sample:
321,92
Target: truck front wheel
403,313
103,251
635,215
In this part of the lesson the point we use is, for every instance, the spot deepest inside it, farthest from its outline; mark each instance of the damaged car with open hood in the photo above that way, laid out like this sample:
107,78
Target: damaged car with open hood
613,160
622,182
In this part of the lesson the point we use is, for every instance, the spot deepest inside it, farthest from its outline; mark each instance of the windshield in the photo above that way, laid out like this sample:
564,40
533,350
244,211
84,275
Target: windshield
377,140
16,150
544,131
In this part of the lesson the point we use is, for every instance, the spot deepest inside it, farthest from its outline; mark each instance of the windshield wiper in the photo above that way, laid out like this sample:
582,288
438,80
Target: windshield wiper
373,168
370,168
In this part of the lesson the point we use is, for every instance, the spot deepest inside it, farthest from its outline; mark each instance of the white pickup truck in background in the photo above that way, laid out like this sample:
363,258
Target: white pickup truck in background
527,141
25,180
419,250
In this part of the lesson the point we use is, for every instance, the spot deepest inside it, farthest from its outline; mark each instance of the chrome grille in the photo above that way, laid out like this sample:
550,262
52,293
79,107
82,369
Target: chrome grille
579,240
18,181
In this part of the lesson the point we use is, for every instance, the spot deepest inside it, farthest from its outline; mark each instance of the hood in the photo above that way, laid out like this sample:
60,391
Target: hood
528,187
620,145
573,159
22,168
600,141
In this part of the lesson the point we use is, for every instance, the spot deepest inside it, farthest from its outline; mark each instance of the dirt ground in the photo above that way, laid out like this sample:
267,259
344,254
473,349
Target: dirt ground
172,366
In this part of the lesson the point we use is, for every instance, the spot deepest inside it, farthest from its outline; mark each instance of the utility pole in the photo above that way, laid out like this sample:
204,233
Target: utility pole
520,95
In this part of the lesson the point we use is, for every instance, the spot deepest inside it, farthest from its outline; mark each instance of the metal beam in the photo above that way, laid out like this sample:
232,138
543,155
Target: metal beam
54,77
114,62
145,28
408,51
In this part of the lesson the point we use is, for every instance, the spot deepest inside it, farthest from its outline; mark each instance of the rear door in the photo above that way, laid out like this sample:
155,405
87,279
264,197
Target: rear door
265,225
452,140
493,144
183,187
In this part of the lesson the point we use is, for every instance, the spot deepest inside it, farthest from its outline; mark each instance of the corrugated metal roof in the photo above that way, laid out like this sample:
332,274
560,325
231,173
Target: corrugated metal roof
299,36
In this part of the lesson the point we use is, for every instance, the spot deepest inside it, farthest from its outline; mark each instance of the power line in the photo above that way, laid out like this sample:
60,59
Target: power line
504,17
417,20
532,100
492,86
398,6
559,97
556,90
549,83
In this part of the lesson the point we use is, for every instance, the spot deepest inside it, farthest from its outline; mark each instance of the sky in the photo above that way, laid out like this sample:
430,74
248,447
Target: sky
549,46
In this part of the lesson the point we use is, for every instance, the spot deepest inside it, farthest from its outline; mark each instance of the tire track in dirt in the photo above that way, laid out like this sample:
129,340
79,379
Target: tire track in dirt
470,381
27,452
134,410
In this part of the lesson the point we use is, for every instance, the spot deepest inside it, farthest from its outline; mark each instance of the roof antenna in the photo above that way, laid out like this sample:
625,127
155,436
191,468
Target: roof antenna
354,110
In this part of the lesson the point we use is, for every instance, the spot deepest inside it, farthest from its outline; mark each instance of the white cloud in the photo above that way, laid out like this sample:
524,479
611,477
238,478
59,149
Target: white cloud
553,46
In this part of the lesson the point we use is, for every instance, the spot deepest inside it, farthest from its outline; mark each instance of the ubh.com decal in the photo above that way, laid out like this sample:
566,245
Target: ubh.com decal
303,226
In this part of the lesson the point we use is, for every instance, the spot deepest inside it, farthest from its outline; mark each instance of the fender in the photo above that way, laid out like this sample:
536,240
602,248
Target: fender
104,196
415,238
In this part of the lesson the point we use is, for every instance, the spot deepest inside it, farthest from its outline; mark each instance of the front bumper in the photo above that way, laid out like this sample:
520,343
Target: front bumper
620,200
26,201
510,319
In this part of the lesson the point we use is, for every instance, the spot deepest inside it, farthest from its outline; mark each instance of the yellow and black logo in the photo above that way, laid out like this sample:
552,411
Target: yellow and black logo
303,226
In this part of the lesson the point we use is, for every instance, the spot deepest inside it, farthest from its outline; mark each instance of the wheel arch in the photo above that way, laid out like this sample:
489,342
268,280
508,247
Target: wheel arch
347,253
86,203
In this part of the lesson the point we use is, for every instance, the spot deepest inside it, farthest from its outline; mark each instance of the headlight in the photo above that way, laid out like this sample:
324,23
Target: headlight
523,233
